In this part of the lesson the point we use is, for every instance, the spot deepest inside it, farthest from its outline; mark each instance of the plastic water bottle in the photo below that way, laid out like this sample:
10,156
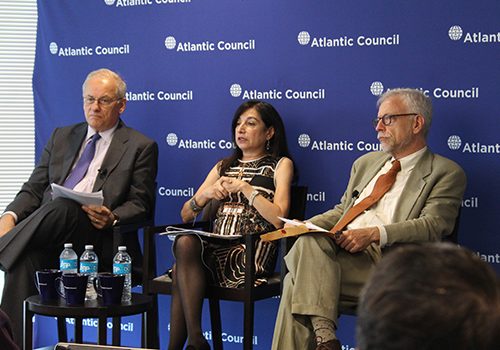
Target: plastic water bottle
68,260
88,266
122,265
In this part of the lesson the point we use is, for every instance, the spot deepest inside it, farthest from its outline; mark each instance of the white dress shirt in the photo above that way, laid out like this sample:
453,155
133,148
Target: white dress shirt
382,212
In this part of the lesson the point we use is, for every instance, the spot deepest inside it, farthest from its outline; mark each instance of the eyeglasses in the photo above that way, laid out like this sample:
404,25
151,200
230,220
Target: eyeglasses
102,101
387,118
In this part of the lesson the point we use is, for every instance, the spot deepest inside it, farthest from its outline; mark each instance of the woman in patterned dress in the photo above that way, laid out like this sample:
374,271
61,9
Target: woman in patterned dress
253,186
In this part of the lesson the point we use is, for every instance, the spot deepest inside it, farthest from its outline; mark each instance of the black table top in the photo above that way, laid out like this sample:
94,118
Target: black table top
91,308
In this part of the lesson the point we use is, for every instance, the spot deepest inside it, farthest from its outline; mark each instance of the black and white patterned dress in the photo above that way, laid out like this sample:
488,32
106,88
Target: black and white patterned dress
226,260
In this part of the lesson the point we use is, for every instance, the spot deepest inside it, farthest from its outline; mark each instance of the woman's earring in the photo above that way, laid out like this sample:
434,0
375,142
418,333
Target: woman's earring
268,145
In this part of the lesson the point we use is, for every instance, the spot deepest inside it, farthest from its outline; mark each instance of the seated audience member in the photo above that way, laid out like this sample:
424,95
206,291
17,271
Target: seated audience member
432,296
253,185
99,154
401,195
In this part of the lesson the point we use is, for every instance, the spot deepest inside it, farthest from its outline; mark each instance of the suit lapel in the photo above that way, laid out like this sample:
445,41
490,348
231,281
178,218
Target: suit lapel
76,138
115,152
414,187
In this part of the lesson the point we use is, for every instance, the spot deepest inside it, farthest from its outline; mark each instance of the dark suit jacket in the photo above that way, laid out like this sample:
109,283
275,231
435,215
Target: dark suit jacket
127,180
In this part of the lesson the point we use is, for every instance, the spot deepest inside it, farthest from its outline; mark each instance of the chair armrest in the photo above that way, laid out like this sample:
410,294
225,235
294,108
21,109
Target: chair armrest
249,241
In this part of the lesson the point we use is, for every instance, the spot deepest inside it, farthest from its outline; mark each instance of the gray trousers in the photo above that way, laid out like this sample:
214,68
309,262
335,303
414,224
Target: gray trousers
322,278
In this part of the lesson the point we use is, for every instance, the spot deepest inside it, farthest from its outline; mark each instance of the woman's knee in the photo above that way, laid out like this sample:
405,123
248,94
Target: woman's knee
187,246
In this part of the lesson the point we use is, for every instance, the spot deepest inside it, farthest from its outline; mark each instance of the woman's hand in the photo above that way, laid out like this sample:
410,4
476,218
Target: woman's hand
216,191
232,185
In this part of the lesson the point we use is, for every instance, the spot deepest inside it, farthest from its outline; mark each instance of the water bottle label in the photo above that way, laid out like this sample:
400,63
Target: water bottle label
68,264
121,269
88,267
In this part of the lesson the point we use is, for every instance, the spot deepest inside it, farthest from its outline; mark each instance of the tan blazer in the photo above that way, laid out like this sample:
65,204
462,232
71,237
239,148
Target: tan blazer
427,208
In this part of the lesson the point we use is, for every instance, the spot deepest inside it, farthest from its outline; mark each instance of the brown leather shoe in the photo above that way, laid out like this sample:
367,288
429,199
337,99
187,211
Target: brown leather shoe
333,344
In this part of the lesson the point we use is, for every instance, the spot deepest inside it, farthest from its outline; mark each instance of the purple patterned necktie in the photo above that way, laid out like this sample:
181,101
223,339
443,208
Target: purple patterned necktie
83,163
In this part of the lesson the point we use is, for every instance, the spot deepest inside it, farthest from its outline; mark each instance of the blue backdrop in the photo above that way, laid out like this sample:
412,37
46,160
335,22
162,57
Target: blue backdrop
322,64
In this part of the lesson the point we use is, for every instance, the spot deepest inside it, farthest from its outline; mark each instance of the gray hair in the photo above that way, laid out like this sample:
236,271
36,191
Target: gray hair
121,86
416,102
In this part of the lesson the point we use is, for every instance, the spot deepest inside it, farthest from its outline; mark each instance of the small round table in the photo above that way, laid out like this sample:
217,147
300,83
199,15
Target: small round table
91,309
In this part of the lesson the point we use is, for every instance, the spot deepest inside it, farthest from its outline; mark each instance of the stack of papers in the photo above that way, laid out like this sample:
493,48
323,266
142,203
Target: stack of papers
94,198
173,231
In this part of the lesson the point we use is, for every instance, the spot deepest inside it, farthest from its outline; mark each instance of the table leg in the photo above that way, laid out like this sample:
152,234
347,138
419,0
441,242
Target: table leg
78,330
102,331
116,331
144,334
27,328
62,333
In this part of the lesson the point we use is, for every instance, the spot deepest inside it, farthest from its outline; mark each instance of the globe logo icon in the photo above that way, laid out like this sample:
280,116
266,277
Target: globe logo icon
454,142
304,140
455,33
170,42
53,48
172,139
377,88
303,38
109,2
235,90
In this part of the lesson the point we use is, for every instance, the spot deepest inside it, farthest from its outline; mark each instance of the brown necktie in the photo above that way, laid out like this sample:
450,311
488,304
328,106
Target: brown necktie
382,185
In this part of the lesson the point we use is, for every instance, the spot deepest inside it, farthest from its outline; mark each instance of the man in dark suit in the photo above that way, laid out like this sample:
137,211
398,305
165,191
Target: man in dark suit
34,228
422,204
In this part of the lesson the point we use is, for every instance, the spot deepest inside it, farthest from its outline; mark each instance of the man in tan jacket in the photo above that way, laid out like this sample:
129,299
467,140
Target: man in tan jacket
327,274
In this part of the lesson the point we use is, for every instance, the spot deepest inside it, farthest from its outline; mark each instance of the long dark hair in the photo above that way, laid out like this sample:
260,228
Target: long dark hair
278,146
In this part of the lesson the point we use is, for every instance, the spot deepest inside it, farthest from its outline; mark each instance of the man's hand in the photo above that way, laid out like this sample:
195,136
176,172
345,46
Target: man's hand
358,239
100,217
7,223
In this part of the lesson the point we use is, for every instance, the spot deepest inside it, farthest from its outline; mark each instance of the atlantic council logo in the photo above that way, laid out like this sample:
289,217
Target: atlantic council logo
53,48
235,90
454,142
98,50
376,88
304,140
170,42
455,33
172,139
470,92
303,38
135,3
339,41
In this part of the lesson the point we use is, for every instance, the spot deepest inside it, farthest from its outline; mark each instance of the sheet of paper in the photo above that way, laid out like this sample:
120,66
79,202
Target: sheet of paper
173,231
94,198
309,225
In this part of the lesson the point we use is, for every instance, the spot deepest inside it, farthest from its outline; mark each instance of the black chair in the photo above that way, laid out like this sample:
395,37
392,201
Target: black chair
154,285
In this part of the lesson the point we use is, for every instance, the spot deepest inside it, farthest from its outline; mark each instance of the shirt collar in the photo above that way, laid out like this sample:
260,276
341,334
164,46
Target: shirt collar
408,162
106,135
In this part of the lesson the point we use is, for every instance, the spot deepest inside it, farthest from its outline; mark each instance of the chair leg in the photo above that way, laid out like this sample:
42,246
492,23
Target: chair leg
152,332
248,325
216,323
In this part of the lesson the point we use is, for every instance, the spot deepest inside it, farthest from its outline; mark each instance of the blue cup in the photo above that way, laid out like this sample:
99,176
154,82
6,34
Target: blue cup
72,287
45,282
